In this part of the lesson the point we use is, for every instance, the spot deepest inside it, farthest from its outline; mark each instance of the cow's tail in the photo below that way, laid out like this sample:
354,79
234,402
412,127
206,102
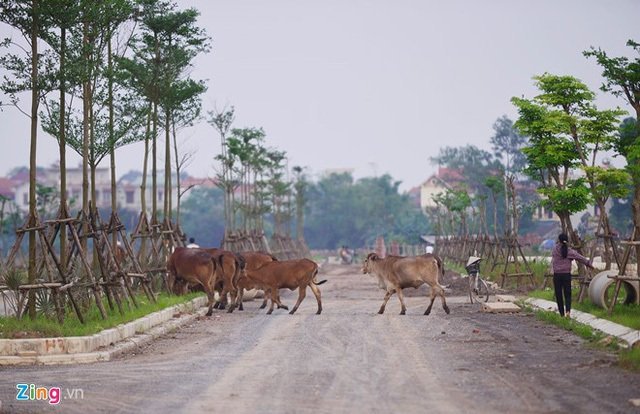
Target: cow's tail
234,278
440,268
242,261
315,273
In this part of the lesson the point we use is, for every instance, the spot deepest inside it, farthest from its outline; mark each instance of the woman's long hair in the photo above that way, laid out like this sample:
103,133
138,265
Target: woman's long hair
564,249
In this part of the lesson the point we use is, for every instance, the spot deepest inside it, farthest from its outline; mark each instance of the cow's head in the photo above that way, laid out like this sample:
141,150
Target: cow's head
178,286
371,257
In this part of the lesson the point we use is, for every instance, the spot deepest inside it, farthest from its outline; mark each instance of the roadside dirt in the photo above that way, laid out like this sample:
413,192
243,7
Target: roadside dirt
349,359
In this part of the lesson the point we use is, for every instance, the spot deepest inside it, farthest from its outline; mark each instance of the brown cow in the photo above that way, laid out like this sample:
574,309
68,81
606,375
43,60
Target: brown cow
192,266
395,273
229,268
253,260
290,274
440,265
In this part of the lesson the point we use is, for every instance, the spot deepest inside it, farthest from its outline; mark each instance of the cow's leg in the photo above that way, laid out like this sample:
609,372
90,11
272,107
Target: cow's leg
233,294
273,301
211,296
444,300
280,304
384,301
233,290
240,297
275,297
302,292
432,295
223,298
219,288
316,292
265,301
403,309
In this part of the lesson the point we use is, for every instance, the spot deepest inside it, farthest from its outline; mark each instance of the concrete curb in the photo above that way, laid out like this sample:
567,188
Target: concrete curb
629,337
102,346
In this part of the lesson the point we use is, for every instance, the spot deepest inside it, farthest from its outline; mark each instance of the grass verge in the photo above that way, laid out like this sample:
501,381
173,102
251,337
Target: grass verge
626,315
43,327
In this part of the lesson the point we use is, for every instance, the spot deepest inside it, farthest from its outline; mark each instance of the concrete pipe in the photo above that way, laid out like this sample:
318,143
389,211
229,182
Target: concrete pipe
601,289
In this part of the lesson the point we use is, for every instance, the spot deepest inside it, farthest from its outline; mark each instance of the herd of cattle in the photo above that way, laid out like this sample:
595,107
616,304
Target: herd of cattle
230,274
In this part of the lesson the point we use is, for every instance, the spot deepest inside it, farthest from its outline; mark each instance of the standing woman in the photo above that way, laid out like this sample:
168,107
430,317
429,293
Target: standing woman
561,258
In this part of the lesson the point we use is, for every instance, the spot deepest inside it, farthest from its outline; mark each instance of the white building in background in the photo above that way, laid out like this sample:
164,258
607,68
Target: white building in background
129,191
438,184
128,188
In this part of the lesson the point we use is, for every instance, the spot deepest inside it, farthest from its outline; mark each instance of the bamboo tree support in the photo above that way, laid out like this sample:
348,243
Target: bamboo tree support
116,226
148,261
172,237
471,250
106,258
630,245
500,249
55,293
67,283
45,244
514,250
609,248
486,251
95,285
93,232
43,266
144,232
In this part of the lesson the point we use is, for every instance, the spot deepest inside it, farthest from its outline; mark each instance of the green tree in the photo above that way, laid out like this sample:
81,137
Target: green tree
622,79
222,121
550,159
202,216
474,163
507,144
300,185
340,211
179,41
591,131
495,186
28,19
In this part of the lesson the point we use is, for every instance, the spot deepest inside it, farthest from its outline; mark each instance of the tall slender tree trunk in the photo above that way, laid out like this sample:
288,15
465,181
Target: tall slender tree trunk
31,303
507,217
154,167
112,144
143,184
178,169
635,206
154,137
495,216
92,155
514,205
167,164
85,131
145,160
609,246
62,142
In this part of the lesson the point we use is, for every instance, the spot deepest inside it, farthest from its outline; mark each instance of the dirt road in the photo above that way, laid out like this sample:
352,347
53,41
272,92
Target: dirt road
349,359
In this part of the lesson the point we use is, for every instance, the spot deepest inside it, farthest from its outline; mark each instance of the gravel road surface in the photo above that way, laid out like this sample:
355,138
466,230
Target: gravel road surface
347,360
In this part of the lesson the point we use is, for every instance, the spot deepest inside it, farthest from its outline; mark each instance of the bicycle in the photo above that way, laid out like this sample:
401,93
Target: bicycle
478,289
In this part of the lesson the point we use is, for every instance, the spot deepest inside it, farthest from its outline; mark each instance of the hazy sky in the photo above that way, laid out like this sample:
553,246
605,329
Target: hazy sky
379,85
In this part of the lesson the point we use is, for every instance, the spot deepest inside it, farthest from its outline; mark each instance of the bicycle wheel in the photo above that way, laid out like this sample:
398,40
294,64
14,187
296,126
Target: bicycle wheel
478,291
